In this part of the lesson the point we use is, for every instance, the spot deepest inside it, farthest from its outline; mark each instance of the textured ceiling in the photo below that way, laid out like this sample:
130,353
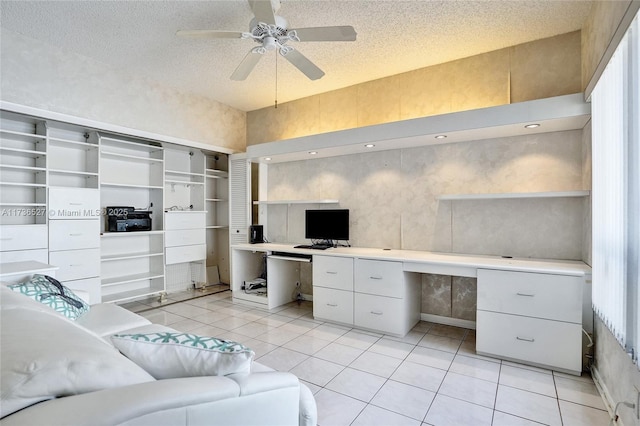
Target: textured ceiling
138,38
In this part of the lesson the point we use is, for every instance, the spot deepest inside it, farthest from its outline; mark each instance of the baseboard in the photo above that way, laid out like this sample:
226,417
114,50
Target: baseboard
448,321
604,392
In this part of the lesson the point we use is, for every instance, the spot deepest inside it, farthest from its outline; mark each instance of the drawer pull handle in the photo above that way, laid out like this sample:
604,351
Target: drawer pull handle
333,305
75,235
331,272
524,339
376,313
376,278
525,294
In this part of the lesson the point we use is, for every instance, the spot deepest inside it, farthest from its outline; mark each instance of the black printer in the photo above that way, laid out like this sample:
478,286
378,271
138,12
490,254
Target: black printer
127,219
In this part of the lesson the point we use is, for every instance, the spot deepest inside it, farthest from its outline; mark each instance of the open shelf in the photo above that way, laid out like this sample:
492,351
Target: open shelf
73,172
124,234
217,174
125,279
512,195
23,152
24,185
217,227
132,294
126,256
72,144
25,168
129,157
182,182
126,185
325,201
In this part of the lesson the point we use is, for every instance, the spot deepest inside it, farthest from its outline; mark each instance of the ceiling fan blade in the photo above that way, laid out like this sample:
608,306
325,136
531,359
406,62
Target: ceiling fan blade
246,66
301,62
209,34
263,11
340,33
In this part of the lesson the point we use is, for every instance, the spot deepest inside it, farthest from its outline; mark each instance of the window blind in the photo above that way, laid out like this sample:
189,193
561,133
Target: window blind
616,193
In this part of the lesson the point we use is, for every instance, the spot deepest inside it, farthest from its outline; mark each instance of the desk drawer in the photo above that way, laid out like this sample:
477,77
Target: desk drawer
184,220
333,272
556,297
379,277
185,254
76,264
74,203
333,305
379,313
73,234
549,343
23,237
184,237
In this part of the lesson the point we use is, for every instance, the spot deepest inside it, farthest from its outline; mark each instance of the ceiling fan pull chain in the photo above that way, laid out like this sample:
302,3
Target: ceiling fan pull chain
276,100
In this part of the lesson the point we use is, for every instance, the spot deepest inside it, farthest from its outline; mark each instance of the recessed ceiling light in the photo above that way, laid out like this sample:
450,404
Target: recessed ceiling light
369,145
267,158
441,136
313,152
531,126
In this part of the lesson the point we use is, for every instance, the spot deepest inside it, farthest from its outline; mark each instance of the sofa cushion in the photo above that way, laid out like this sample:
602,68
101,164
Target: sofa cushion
106,319
51,292
45,356
167,355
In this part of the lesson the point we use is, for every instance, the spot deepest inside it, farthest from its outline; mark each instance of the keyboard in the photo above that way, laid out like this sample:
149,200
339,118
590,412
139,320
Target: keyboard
312,246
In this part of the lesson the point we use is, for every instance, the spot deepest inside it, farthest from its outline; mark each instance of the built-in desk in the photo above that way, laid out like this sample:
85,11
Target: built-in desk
528,310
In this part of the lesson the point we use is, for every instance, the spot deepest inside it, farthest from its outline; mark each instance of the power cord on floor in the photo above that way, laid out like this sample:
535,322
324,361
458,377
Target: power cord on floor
615,417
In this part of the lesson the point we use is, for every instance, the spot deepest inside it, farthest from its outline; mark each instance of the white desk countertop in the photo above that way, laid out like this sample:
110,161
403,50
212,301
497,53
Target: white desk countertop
435,262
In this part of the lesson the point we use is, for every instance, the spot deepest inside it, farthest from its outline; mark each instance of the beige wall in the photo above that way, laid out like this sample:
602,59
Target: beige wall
597,32
392,198
535,70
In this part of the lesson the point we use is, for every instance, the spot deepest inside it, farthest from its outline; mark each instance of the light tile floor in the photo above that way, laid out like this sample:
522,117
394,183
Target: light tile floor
432,376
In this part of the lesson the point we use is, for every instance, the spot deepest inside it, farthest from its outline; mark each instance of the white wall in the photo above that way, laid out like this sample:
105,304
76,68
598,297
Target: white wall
41,76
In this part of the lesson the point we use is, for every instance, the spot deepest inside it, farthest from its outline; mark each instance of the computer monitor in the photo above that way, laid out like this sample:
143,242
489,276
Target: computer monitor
327,225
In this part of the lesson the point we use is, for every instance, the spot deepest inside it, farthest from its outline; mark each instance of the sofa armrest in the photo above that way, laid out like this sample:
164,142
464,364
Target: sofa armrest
118,405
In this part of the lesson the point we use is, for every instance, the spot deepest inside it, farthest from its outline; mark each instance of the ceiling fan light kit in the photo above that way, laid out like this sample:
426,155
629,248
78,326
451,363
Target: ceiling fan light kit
272,33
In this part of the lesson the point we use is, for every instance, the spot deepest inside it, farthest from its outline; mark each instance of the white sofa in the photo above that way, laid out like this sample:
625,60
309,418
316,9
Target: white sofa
56,371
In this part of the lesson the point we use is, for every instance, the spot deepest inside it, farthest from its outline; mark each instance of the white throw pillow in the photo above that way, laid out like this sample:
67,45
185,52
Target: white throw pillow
169,355
45,356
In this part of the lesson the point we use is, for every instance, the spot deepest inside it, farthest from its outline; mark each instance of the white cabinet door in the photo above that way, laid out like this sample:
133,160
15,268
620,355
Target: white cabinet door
239,199
76,264
557,297
333,305
384,314
379,277
333,272
184,237
184,220
23,237
73,234
543,342
74,203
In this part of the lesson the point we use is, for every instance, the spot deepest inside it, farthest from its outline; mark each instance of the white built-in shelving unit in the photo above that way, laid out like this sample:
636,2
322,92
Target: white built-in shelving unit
23,189
132,175
58,177
185,240
217,217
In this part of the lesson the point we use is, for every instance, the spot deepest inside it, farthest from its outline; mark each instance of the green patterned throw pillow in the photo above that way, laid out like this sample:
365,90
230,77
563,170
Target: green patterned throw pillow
171,354
52,293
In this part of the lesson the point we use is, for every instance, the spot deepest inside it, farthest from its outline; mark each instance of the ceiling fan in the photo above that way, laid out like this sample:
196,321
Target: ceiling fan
272,32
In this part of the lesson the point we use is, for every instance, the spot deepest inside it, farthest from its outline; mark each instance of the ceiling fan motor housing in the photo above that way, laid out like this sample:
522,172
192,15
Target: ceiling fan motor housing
260,30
